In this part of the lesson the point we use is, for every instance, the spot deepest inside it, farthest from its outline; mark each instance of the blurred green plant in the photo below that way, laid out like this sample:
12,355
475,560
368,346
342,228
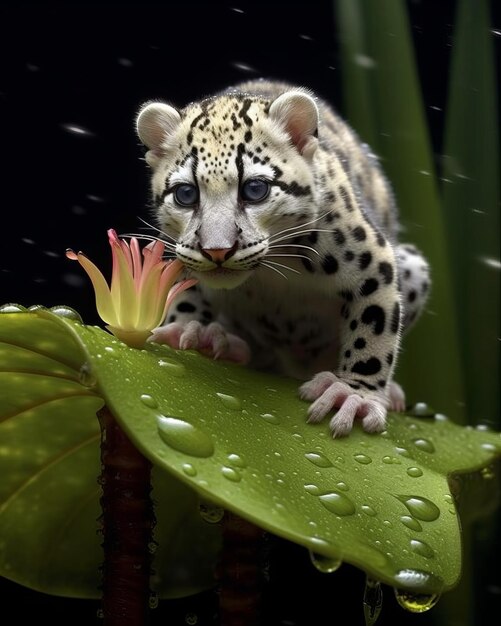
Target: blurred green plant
452,214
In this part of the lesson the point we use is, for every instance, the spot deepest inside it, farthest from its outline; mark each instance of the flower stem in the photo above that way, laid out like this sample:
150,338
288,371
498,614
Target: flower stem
239,572
127,526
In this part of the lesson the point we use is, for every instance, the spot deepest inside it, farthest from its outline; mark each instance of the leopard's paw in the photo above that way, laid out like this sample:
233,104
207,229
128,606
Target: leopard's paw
327,391
211,340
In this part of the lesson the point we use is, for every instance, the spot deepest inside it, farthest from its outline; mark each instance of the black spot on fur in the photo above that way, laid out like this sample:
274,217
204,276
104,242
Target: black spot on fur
412,295
353,324
308,264
374,315
349,255
360,343
367,368
389,358
386,270
359,233
186,307
339,237
369,286
364,260
395,318
347,354
346,295
329,264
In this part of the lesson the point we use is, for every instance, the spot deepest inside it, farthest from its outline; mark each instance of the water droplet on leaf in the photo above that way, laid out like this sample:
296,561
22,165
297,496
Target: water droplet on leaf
325,564
12,308
337,503
230,402
362,458
318,459
424,444
414,472
421,508
189,469
231,474
184,437
86,377
270,418
368,510
175,369
421,409
149,401
236,460
416,602
313,489
422,548
411,523
373,601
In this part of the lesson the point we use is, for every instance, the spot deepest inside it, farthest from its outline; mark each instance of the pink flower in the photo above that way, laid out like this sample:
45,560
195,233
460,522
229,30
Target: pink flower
142,288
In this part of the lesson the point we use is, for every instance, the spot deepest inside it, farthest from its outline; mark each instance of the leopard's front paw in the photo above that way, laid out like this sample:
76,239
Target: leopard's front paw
327,391
211,340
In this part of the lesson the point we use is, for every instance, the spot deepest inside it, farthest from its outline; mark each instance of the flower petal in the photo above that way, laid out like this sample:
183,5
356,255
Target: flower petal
104,302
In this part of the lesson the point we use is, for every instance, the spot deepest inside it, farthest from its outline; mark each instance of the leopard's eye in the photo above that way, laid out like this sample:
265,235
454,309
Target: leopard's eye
186,195
255,190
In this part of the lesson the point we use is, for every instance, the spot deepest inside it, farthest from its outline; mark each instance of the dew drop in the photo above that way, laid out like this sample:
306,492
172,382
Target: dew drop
66,312
210,512
313,489
325,564
86,377
342,486
368,510
402,451
417,581
231,474
230,402
175,369
414,472
487,473
235,460
298,438
12,308
421,409
411,523
153,600
422,548
424,444
373,601
490,447
184,437
421,508
149,401
189,469
270,418
318,459
337,503
416,602
362,458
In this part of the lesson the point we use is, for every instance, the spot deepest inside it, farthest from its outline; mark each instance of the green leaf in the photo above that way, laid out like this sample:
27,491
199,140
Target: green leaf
50,462
239,439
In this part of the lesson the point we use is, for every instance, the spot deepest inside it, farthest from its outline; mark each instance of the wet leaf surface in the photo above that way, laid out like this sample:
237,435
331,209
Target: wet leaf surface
235,437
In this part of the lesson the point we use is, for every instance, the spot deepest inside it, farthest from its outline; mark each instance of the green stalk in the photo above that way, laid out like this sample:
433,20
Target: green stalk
430,367
471,203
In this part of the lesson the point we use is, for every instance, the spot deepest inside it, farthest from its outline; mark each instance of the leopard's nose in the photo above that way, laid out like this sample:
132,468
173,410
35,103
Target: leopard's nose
219,255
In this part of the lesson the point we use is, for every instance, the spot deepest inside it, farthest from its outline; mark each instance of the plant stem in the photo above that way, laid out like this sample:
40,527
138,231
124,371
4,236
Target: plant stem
239,572
127,525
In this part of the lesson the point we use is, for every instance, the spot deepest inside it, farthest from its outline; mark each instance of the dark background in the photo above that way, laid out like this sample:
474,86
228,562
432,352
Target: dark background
72,78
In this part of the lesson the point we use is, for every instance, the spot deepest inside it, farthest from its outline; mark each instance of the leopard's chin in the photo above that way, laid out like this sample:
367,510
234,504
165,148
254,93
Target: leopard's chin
222,278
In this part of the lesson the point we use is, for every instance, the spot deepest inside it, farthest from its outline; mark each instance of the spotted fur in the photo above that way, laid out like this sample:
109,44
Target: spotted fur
308,280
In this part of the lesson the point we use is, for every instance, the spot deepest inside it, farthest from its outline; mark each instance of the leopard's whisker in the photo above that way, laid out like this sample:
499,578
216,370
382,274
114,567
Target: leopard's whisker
303,232
299,226
286,267
293,245
270,267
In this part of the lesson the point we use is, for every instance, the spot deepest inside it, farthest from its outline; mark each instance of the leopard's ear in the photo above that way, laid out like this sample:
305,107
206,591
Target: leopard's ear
297,112
155,123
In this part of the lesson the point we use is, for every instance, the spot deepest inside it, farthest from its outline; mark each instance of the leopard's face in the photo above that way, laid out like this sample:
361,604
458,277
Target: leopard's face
227,181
